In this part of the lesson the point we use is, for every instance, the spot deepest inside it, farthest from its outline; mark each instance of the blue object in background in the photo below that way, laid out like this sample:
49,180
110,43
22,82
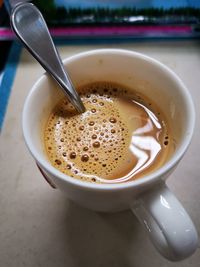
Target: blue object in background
8,78
166,4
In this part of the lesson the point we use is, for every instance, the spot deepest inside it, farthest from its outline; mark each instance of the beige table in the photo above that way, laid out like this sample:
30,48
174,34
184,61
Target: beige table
40,227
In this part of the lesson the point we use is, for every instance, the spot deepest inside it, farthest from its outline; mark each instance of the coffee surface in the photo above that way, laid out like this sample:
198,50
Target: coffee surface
122,136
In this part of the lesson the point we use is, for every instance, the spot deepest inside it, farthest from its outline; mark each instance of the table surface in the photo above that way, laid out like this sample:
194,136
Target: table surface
39,226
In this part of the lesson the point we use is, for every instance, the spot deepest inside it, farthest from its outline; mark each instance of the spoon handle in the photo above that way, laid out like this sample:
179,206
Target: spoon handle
30,26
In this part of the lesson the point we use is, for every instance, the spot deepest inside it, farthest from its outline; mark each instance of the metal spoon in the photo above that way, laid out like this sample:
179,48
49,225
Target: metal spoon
30,26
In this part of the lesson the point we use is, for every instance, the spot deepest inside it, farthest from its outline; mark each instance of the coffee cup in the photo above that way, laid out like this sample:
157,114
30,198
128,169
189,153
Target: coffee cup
167,223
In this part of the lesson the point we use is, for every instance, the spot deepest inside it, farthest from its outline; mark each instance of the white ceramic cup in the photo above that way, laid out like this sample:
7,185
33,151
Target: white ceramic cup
168,224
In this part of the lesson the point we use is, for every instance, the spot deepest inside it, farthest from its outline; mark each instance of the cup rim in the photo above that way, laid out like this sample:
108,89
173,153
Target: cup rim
147,179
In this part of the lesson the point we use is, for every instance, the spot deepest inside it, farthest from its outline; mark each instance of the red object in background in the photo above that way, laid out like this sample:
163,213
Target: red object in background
46,178
112,31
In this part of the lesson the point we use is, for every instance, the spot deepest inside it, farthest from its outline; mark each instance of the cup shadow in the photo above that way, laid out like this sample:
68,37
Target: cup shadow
101,239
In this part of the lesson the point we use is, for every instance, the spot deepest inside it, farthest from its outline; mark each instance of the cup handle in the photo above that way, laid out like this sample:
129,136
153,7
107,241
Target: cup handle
169,226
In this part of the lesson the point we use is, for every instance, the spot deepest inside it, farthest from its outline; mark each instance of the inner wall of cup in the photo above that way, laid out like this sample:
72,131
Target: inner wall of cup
134,72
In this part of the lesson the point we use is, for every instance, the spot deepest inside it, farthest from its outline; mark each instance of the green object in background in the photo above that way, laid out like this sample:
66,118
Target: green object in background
48,9
67,14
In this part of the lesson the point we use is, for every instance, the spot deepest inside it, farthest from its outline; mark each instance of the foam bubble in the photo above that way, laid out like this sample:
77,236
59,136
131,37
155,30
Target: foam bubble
96,144
94,136
81,128
85,158
72,155
68,166
58,162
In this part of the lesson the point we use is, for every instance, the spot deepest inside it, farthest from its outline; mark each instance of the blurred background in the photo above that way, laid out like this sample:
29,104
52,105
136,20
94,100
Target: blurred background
107,21
96,15
110,20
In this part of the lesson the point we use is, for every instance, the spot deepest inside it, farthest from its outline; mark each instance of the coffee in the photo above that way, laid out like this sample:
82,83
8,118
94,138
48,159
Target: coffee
122,136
